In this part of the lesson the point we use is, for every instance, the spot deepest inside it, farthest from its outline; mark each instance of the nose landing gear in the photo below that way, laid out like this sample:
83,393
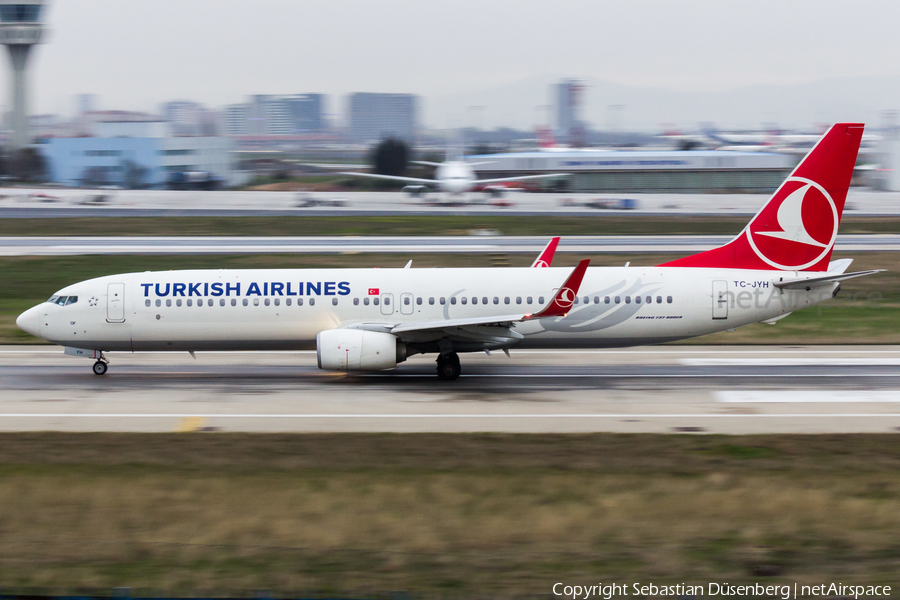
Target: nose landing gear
448,367
101,366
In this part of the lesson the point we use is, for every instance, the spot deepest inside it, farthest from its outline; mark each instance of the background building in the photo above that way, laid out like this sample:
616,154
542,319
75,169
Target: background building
646,171
138,151
570,128
373,117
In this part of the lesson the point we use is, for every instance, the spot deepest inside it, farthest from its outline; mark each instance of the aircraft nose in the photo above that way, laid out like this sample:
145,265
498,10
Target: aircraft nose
30,321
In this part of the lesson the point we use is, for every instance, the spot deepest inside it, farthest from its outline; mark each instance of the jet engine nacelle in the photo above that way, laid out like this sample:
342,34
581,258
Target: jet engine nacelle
358,350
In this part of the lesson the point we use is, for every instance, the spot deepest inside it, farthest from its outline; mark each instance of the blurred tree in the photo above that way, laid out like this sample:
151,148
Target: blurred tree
390,157
28,165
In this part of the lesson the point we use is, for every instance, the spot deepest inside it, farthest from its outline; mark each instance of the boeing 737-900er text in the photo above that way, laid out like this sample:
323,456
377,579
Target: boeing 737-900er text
372,319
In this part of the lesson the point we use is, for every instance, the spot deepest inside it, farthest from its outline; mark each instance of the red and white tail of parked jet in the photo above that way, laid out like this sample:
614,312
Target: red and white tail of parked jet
373,319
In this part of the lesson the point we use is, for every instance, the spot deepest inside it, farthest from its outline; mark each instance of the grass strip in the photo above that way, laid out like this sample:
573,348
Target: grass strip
436,514
409,225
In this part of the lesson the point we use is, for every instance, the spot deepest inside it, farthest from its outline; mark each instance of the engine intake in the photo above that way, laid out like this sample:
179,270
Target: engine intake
358,350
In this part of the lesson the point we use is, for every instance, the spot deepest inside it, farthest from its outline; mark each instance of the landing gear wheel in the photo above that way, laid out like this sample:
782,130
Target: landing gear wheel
448,366
100,368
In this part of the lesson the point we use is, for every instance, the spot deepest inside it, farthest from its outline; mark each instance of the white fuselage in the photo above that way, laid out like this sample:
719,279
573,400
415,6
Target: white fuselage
286,309
455,177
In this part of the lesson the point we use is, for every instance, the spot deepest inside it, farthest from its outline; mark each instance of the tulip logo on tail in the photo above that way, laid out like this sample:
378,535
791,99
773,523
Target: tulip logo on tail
565,299
797,228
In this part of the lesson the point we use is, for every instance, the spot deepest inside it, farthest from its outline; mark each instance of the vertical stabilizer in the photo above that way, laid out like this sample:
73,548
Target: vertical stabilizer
797,228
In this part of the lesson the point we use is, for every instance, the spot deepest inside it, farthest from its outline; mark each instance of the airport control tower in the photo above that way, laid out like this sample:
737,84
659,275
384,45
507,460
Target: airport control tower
20,29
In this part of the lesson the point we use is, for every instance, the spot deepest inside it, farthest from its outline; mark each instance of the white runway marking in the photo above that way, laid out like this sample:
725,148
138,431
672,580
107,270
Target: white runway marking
809,396
442,416
789,362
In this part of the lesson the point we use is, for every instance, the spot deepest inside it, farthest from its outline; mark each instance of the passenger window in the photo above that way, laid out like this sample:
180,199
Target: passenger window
168,302
518,299
541,300
606,299
463,299
453,300
267,302
669,299
627,299
355,301
147,302
299,301
431,301
406,301
312,302
210,302
245,302
484,300
474,299
528,300
190,302
506,300
334,301
496,300
256,302
158,302
366,301
277,302
637,299
287,302
443,301
178,302
222,301
387,301
233,302
618,300
419,301
659,299
587,299
577,300
649,299
375,301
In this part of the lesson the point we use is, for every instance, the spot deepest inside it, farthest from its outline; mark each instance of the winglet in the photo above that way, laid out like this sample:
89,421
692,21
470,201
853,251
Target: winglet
565,296
545,258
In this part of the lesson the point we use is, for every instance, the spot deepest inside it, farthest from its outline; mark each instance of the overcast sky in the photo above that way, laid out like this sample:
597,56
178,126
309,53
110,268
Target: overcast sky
136,54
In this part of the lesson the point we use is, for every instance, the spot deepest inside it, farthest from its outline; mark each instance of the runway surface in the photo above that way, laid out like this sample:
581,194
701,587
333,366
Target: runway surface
57,246
52,202
696,389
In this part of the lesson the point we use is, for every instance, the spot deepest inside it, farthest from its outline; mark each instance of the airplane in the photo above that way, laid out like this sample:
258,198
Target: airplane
374,319
454,177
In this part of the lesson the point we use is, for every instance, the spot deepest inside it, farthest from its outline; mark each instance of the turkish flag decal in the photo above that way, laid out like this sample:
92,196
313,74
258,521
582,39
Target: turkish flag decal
373,291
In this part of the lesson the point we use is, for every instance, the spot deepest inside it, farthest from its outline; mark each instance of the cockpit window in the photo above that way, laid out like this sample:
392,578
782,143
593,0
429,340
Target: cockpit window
63,300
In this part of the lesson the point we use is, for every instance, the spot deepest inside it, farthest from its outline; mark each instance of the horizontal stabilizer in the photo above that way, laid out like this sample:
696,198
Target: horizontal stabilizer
802,284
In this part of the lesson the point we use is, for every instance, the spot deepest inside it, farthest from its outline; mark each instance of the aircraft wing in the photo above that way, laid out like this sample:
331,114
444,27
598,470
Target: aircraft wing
431,182
558,306
801,284
520,178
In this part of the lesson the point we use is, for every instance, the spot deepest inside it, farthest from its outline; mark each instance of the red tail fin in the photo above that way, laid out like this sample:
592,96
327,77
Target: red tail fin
797,228
545,258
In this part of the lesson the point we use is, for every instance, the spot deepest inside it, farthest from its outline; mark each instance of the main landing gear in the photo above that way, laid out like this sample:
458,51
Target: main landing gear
448,367
101,366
